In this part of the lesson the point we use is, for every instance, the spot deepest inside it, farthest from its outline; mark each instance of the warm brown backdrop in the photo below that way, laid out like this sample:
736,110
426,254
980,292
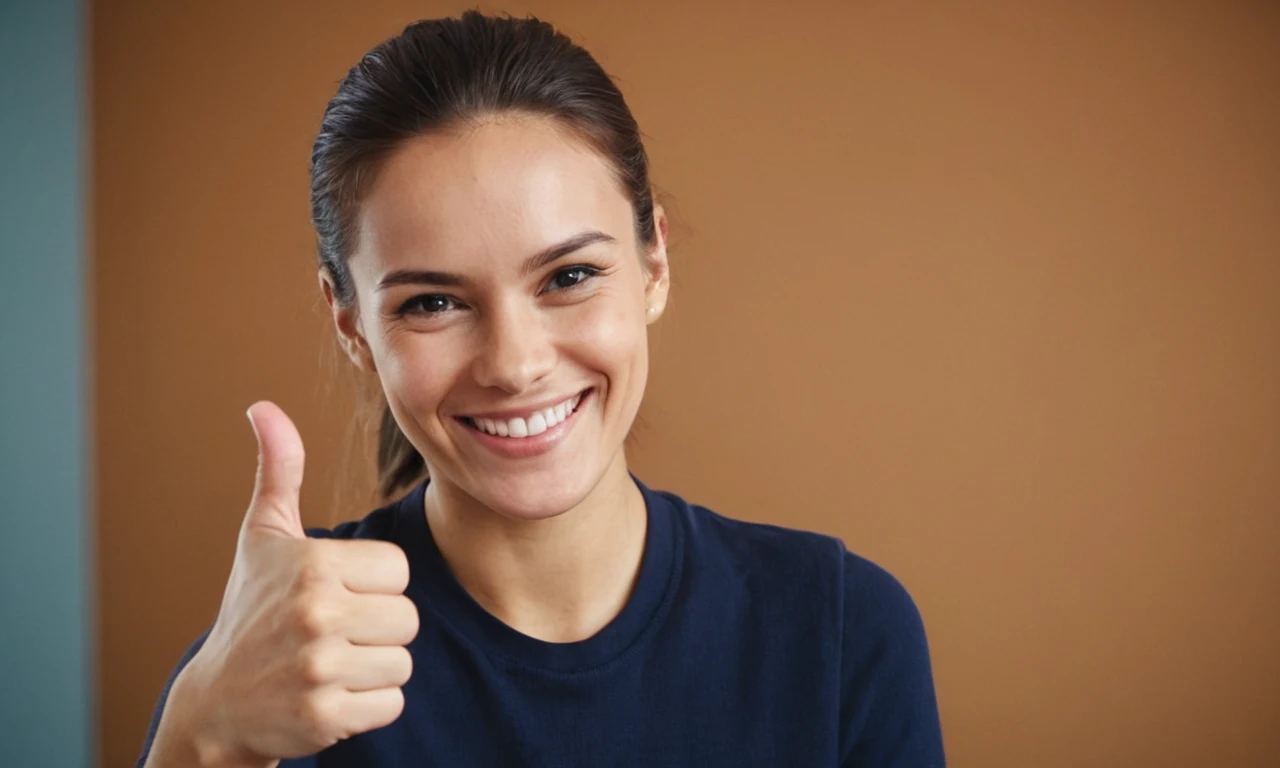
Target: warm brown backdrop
992,294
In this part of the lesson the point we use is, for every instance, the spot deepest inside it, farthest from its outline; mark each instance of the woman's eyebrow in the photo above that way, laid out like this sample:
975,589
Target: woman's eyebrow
564,247
532,264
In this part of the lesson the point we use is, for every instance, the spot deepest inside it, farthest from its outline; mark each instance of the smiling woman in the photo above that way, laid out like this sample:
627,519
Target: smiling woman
491,251
527,285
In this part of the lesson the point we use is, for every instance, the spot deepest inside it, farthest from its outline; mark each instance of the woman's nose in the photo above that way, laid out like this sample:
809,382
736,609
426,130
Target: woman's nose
517,350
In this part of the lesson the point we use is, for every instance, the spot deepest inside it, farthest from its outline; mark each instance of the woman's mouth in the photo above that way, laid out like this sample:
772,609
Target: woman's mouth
528,434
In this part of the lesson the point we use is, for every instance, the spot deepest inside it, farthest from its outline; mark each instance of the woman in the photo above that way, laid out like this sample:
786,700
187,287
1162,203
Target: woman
490,249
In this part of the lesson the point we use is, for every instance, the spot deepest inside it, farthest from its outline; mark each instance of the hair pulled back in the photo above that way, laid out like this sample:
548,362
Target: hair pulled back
440,74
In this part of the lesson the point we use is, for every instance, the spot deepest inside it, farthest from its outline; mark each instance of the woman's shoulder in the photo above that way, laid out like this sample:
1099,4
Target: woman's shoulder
796,555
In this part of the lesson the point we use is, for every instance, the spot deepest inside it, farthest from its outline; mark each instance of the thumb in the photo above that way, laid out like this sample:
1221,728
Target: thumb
275,505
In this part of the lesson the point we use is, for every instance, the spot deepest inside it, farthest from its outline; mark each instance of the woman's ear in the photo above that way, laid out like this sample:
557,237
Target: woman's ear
658,272
347,322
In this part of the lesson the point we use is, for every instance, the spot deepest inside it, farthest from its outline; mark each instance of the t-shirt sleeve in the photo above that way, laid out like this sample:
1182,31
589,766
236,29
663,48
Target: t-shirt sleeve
889,709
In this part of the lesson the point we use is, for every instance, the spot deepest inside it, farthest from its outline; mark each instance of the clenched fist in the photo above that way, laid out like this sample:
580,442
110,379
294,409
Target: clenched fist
308,647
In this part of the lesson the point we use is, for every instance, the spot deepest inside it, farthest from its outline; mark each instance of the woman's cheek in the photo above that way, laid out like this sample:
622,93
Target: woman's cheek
608,335
417,373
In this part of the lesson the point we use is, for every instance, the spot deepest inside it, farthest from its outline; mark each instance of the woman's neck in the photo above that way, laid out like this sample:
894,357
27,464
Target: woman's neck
560,579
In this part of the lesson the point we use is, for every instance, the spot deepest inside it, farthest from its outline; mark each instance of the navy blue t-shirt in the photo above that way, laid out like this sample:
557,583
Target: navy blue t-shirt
742,644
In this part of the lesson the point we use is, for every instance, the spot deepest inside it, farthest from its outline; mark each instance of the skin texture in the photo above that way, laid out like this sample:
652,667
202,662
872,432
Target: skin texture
550,544
308,647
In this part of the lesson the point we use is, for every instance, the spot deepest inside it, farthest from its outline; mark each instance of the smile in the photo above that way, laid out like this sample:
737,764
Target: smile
528,425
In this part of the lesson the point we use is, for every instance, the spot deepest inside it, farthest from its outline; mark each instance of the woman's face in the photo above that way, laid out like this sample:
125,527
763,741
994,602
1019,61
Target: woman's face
502,298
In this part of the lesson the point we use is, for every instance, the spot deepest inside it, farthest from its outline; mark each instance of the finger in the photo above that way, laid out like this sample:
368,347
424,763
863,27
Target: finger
366,565
370,667
380,620
281,458
365,710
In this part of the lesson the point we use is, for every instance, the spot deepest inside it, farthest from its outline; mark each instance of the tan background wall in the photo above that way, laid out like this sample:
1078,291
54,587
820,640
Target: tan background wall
992,294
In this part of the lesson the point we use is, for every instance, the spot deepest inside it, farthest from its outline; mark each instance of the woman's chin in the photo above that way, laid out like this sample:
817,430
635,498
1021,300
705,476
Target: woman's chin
536,496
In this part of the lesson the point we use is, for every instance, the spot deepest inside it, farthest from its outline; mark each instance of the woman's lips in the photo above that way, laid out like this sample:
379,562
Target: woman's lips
544,437
525,422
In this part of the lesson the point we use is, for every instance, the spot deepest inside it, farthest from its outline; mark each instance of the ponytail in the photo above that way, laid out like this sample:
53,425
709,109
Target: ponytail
399,463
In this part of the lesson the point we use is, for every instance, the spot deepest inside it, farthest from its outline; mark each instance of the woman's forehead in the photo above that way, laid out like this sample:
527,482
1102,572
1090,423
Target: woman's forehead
505,187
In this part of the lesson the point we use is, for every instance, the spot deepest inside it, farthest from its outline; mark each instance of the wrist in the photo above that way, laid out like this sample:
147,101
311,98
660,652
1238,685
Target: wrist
191,737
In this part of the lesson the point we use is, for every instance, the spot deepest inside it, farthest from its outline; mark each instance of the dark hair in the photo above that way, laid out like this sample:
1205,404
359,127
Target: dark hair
436,75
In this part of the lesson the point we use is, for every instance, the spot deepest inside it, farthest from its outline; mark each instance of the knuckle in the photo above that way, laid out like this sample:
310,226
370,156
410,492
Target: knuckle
406,667
319,713
314,616
395,705
366,548
314,666
383,549
393,563
312,570
396,554
401,569
411,621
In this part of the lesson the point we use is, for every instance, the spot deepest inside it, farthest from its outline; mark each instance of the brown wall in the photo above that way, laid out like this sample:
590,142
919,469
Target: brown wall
994,295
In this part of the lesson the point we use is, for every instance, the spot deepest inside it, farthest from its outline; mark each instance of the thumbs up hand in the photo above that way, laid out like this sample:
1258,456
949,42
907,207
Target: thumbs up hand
308,646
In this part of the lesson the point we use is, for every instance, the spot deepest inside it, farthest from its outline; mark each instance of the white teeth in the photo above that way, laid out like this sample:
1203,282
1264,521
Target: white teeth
537,423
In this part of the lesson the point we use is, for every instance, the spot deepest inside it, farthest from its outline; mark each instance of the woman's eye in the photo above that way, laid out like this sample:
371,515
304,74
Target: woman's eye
568,278
427,303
